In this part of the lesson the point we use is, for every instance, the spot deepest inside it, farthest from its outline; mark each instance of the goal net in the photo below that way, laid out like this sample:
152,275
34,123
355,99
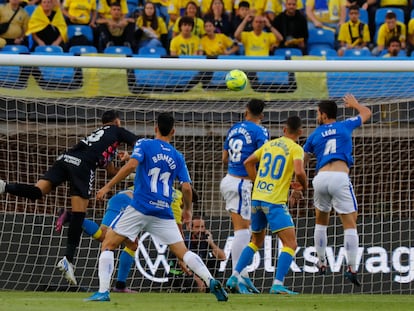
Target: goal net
48,103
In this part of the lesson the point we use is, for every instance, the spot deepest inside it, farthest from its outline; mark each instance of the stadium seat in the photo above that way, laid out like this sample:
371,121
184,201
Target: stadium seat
78,30
381,12
121,50
15,49
323,51
357,53
321,37
363,16
83,49
30,8
287,52
153,51
48,49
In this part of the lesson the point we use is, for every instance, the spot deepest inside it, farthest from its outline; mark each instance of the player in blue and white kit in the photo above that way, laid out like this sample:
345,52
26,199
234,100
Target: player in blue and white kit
331,143
157,164
242,140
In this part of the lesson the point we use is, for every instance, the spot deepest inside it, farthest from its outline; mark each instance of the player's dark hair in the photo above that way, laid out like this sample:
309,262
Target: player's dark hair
256,106
329,107
186,20
109,116
165,122
294,123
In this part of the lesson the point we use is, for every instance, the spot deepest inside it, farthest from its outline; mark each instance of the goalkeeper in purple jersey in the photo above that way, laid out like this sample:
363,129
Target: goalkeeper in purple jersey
77,166
331,143
157,165
242,140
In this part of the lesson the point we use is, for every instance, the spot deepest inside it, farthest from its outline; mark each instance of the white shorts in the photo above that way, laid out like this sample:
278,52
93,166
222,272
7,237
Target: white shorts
237,192
130,223
334,189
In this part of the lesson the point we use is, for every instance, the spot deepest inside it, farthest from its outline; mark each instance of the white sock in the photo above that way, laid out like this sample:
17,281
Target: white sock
194,262
240,241
105,270
321,240
351,242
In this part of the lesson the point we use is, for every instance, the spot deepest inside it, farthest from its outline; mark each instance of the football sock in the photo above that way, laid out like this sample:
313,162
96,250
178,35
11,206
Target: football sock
241,239
74,234
105,270
320,240
194,262
126,259
246,257
283,263
26,191
351,246
91,228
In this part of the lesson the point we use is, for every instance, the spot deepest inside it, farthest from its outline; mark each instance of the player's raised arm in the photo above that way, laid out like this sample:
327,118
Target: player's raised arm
352,102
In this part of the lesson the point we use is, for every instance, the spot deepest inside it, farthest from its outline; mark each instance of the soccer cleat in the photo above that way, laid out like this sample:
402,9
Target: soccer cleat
322,267
99,297
64,217
234,286
124,290
217,290
352,276
67,268
249,284
281,290
2,186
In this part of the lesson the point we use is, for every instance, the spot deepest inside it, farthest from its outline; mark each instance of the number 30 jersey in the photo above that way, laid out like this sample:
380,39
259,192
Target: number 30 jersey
242,140
332,142
160,164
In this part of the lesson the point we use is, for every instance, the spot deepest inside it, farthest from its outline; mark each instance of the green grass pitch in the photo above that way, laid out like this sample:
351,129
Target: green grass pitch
57,301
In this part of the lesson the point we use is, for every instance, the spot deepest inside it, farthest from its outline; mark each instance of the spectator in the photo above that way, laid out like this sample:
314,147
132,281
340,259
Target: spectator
214,44
153,27
104,8
258,42
353,34
329,14
410,36
256,7
293,26
47,25
117,30
80,12
390,29
394,48
186,43
274,8
242,11
18,20
219,17
191,10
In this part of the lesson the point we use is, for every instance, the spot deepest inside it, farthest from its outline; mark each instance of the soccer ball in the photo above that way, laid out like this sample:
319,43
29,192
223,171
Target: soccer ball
236,80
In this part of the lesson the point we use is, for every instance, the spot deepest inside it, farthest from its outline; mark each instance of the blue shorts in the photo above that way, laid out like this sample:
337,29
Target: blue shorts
276,215
116,204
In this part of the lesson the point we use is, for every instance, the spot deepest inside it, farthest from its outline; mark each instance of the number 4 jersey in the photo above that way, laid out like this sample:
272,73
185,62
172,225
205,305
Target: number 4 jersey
242,140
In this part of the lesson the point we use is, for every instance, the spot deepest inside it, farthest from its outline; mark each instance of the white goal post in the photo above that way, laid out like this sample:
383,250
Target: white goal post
48,103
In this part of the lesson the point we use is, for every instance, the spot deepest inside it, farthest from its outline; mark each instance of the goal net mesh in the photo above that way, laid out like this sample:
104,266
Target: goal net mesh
46,110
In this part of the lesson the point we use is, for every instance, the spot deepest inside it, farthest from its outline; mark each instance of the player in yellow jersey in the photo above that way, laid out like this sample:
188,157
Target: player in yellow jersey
279,160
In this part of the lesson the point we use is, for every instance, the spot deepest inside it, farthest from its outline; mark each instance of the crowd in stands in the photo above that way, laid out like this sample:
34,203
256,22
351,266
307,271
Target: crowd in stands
214,27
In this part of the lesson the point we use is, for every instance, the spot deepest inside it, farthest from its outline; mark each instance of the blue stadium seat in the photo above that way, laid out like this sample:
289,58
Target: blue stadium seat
287,52
78,30
15,49
82,49
121,50
381,12
322,51
400,54
48,49
152,51
321,37
363,16
357,53
30,8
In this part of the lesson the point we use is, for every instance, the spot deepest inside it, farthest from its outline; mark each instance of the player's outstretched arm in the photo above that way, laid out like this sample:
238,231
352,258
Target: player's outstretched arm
352,102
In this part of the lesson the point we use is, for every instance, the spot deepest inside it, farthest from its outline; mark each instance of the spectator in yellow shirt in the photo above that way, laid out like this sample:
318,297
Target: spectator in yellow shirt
154,30
215,44
80,12
258,42
191,10
15,34
390,29
186,43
